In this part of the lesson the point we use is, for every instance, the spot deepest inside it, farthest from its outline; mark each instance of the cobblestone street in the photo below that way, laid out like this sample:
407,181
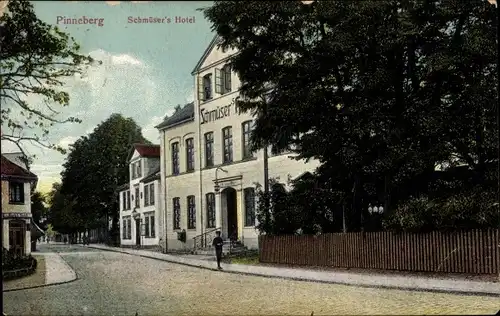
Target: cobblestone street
117,284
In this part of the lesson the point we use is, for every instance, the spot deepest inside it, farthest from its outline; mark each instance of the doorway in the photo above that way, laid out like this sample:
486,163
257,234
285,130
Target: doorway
138,232
231,228
17,235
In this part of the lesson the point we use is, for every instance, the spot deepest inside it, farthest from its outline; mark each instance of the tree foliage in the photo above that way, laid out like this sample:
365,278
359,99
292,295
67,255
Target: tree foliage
35,61
96,165
379,92
38,208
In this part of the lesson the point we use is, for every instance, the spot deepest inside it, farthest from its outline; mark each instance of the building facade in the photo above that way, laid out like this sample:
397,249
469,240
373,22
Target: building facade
208,171
17,185
140,202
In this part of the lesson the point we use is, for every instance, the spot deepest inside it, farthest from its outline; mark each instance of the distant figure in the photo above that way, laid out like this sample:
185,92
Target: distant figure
65,240
217,243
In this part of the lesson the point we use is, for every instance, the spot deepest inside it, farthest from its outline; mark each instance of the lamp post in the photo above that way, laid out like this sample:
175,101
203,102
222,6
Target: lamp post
218,214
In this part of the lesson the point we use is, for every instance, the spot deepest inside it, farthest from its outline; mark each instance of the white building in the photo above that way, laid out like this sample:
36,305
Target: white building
140,204
208,172
17,185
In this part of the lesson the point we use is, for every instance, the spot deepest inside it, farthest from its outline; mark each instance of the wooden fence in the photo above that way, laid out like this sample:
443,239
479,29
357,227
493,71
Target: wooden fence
475,252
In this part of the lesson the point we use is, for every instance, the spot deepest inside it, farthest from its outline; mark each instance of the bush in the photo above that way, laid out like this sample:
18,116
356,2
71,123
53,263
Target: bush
467,210
16,266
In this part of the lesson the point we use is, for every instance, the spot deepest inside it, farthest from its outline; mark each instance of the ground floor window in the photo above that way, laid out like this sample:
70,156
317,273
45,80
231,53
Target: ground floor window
17,237
149,224
176,203
127,227
191,212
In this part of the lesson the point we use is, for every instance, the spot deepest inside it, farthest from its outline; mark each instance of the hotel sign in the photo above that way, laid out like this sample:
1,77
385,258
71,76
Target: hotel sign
220,112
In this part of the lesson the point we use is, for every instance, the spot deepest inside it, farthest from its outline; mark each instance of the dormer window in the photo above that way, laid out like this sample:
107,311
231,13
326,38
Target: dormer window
205,87
136,170
223,80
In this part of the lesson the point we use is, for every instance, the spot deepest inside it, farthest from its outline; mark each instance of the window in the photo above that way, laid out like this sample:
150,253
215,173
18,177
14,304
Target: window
191,212
175,158
128,200
227,136
249,195
149,194
177,212
126,227
146,195
189,154
209,149
152,194
136,170
16,192
129,227
137,204
210,200
124,200
223,80
138,167
205,87
246,127
149,224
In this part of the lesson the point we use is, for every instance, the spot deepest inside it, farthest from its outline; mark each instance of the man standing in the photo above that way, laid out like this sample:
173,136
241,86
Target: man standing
217,243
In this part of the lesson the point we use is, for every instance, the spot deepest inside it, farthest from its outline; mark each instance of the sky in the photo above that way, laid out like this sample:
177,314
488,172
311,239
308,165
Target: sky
145,71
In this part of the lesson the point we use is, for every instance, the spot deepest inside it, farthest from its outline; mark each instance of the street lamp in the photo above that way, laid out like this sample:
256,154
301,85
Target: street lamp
217,186
375,209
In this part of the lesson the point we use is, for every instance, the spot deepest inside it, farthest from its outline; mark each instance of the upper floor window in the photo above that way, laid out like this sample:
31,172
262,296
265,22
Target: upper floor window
126,200
189,154
176,203
227,137
16,192
246,128
149,194
191,212
137,199
223,80
175,158
209,149
136,170
205,87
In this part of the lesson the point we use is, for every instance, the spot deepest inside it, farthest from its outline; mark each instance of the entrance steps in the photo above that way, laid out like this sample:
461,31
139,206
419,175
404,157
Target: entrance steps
227,249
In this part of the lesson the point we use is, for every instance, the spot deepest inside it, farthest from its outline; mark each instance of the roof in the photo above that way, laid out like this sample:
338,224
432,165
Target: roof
207,51
12,170
17,158
152,176
123,187
144,150
184,114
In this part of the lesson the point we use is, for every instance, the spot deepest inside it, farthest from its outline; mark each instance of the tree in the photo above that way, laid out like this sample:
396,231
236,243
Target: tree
96,165
35,60
62,216
367,88
38,208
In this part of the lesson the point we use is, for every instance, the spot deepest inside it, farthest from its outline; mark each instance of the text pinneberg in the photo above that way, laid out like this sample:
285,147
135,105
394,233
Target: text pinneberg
80,20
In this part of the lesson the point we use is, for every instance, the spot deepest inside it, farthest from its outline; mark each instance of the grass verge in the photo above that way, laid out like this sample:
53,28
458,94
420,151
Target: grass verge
36,279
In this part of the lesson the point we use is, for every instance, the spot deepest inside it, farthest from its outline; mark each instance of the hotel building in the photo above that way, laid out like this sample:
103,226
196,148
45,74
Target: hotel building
208,173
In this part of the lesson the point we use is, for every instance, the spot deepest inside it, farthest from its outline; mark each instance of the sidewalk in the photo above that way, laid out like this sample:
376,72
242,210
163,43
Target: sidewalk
57,270
347,278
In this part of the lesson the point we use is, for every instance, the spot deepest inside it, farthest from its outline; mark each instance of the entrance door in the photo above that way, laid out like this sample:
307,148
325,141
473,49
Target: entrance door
232,215
138,232
17,234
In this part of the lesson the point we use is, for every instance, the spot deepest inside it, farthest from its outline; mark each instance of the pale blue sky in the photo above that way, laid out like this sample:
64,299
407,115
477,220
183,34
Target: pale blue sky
146,68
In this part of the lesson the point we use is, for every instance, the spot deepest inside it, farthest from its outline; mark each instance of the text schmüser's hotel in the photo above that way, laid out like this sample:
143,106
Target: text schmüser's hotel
205,148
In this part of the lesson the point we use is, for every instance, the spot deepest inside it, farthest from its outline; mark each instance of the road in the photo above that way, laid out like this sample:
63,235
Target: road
118,284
